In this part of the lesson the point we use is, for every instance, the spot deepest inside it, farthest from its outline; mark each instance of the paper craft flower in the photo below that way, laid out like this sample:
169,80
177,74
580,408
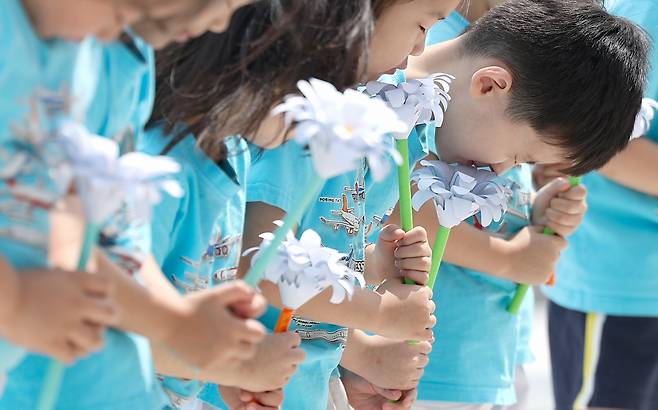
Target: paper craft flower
415,101
106,181
644,117
302,268
342,128
459,192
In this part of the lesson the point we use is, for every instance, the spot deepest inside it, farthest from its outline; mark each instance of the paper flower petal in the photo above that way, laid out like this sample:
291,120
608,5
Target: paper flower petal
302,268
459,192
415,101
107,181
644,117
341,128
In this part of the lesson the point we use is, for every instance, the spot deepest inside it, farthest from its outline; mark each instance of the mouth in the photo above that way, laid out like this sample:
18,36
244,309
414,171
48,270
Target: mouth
476,164
401,66
184,37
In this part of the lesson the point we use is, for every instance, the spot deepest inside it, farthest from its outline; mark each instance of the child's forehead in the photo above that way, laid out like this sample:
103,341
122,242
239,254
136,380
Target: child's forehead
440,9
160,8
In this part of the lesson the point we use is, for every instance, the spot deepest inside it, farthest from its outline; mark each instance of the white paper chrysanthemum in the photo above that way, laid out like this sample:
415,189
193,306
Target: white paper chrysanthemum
303,268
459,192
106,181
415,101
341,129
644,117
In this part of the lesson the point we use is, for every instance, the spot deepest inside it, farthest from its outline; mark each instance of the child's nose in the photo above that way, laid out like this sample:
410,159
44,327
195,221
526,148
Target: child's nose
503,167
129,14
419,47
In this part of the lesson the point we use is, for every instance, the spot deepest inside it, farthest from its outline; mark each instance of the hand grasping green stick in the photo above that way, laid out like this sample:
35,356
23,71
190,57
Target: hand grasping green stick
521,289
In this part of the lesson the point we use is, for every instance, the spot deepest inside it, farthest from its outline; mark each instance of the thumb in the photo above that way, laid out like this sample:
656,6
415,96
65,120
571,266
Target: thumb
251,308
546,194
246,396
235,293
388,394
390,234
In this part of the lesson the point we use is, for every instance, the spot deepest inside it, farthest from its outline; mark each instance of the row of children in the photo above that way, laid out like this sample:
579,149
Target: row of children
550,82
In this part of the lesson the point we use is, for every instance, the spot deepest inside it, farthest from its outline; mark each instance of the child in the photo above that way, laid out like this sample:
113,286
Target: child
467,120
473,294
196,87
52,68
603,311
448,29
323,342
499,39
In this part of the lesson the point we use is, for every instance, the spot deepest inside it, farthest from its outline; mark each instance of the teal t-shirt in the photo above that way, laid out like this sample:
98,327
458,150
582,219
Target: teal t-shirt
33,64
55,72
125,93
198,237
343,218
278,178
475,351
611,263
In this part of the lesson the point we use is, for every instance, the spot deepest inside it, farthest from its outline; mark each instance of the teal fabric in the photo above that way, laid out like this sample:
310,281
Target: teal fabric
125,93
611,263
198,237
35,68
344,219
475,353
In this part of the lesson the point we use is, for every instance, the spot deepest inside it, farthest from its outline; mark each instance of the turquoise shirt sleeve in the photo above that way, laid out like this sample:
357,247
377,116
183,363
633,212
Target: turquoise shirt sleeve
278,177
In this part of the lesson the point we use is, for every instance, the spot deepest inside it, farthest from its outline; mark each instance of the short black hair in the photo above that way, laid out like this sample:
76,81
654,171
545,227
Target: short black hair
579,73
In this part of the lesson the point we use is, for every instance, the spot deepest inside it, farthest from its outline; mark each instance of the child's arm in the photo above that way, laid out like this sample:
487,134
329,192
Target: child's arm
273,364
237,399
363,394
201,331
10,290
382,312
387,363
528,257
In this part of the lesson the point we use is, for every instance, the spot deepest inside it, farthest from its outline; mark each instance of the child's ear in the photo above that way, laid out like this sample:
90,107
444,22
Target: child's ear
492,79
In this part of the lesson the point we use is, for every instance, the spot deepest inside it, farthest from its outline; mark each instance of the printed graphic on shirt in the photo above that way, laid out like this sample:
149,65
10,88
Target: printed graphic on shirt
347,217
125,245
358,265
378,222
307,330
343,218
29,188
203,270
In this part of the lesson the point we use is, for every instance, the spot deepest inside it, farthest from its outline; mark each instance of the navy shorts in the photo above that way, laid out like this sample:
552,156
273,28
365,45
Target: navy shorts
618,353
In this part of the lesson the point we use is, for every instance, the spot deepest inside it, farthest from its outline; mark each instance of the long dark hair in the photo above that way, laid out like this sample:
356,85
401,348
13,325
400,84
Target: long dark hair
226,84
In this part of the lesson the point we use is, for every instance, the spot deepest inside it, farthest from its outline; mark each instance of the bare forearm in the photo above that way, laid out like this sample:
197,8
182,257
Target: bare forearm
468,247
10,288
475,249
149,310
358,313
352,358
168,364
372,276
636,167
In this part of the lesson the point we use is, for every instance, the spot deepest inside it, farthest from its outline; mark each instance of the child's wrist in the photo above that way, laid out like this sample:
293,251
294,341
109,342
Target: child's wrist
11,292
503,266
172,315
353,356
